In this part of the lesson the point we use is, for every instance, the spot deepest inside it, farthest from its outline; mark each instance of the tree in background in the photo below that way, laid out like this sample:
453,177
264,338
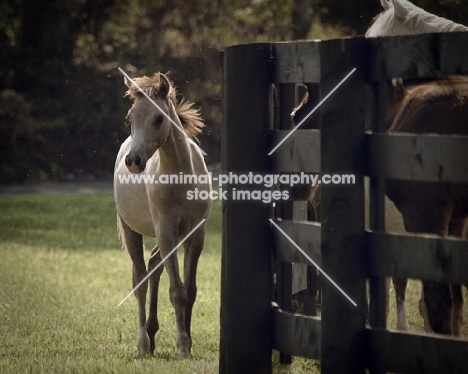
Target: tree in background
70,103
61,96
355,16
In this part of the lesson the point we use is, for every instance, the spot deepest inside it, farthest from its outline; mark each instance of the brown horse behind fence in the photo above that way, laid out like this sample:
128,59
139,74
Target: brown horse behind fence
439,107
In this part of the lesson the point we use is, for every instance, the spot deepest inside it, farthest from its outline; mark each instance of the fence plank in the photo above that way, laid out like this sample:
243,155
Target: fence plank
299,152
453,49
307,235
343,344
418,157
297,62
417,256
245,344
297,335
400,352
406,57
425,56
378,286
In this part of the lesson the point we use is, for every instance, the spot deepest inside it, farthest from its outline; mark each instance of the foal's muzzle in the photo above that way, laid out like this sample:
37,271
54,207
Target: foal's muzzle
134,164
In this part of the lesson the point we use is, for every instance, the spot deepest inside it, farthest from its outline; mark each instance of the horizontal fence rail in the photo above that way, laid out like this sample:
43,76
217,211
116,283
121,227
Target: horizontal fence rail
401,352
299,152
297,335
307,235
425,56
422,158
417,256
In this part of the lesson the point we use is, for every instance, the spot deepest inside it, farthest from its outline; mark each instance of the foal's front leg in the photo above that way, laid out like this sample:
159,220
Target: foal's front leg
143,341
152,324
177,290
133,243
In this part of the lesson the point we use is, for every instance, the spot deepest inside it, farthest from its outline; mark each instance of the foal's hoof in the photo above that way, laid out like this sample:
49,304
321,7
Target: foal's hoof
143,344
184,354
183,344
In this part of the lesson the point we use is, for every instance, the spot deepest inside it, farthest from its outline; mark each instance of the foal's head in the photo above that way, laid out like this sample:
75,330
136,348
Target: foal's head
150,128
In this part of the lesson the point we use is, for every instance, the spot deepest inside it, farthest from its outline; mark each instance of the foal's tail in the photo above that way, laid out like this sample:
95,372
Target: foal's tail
131,240
120,232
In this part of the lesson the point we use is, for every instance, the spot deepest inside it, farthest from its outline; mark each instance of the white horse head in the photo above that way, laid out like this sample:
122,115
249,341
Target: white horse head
149,127
404,18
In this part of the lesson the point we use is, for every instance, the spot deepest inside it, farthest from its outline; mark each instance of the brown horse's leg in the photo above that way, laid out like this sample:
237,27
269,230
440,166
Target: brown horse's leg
133,243
400,295
193,250
432,217
439,305
451,306
424,313
457,228
457,296
152,324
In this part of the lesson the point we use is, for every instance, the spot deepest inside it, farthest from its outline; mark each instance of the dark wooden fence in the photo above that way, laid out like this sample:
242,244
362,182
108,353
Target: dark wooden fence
261,82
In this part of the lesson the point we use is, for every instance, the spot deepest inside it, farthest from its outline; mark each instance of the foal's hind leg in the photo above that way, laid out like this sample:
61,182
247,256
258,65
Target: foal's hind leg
133,242
193,249
152,324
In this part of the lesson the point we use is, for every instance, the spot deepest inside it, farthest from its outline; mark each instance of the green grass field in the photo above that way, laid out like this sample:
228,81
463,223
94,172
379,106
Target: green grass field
62,274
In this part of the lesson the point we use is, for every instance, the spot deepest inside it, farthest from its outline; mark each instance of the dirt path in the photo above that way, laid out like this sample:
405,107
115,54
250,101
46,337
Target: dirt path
59,188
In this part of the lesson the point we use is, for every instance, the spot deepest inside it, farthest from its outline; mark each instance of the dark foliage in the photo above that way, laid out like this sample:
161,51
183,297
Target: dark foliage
61,96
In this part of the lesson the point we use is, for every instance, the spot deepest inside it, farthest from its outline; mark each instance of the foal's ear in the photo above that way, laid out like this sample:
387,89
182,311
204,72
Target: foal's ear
127,82
399,9
164,86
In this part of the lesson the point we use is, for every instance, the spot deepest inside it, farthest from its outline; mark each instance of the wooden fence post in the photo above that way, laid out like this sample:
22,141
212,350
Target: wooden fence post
246,278
342,142
378,286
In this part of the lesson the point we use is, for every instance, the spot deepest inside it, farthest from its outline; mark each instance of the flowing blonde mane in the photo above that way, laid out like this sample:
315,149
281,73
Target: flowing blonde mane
189,117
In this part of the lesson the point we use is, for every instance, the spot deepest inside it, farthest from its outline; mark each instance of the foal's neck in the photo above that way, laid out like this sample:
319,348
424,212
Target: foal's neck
175,154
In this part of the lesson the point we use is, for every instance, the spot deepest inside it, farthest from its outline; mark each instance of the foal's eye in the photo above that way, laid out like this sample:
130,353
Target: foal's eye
159,120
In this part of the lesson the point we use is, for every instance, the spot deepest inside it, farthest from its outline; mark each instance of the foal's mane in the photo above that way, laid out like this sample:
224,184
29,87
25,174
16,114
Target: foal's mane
189,117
